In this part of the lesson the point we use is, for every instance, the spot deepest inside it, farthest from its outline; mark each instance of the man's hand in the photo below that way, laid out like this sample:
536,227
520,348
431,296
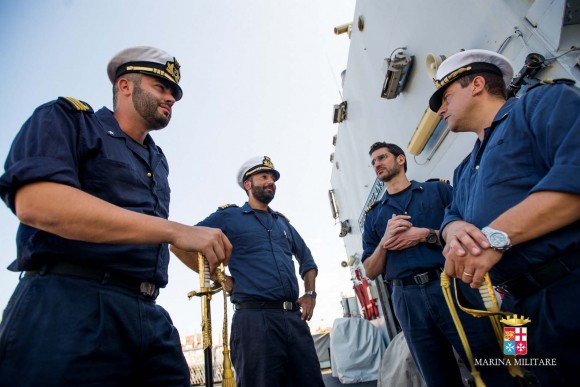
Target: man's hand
408,238
228,286
467,253
470,268
307,303
211,242
464,238
396,225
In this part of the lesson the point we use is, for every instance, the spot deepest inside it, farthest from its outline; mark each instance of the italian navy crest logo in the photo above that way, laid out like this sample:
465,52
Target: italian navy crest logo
515,341
515,336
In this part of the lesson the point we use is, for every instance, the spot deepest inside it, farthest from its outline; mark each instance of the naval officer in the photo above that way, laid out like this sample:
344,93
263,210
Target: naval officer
401,240
91,192
516,208
271,344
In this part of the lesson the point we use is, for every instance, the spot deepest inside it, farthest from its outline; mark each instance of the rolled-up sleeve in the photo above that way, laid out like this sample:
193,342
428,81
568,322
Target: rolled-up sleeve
302,253
45,149
369,238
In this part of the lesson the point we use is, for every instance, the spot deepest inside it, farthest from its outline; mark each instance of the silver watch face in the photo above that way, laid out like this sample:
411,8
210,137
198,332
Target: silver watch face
498,239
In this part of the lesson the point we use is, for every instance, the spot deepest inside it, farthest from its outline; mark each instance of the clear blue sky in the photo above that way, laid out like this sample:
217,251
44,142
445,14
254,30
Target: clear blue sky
259,77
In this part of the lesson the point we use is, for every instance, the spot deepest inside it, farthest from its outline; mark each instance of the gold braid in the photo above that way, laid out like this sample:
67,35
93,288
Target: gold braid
228,379
445,286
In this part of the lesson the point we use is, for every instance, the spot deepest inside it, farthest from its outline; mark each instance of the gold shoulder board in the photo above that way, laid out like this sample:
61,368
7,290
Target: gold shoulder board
371,207
227,206
439,180
75,104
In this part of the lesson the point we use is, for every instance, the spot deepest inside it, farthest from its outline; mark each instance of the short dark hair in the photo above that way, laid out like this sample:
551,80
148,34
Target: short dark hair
494,83
392,148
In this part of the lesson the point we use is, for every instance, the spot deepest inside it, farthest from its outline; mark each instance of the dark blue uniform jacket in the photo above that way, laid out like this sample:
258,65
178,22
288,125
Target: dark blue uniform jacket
426,208
88,151
261,262
532,145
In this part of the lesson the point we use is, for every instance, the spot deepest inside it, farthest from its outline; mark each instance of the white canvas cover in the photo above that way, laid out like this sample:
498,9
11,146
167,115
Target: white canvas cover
356,349
398,367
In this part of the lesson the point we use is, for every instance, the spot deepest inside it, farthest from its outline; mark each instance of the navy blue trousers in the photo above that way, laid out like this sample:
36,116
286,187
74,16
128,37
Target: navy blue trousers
66,331
273,348
431,335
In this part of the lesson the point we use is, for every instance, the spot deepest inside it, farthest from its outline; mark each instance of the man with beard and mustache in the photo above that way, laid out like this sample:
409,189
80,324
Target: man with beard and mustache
91,192
400,241
271,344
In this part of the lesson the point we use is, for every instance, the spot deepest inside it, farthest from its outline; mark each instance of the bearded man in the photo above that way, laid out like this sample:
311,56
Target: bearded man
92,195
401,241
271,344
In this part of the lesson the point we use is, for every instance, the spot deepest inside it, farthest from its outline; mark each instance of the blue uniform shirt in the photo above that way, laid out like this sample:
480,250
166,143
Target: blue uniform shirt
532,145
88,151
426,206
261,262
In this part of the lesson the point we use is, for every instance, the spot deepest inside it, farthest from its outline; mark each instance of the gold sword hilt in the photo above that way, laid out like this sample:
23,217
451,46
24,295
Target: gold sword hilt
206,291
204,277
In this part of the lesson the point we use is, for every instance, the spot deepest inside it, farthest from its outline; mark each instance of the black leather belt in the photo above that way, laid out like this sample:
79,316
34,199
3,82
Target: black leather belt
542,276
105,277
418,279
285,305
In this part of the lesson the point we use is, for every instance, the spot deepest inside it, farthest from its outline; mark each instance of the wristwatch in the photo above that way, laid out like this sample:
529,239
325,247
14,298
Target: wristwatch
498,240
432,237
310,293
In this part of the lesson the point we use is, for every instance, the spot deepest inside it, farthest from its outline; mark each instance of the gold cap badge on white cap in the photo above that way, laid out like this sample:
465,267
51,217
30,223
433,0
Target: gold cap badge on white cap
256,165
